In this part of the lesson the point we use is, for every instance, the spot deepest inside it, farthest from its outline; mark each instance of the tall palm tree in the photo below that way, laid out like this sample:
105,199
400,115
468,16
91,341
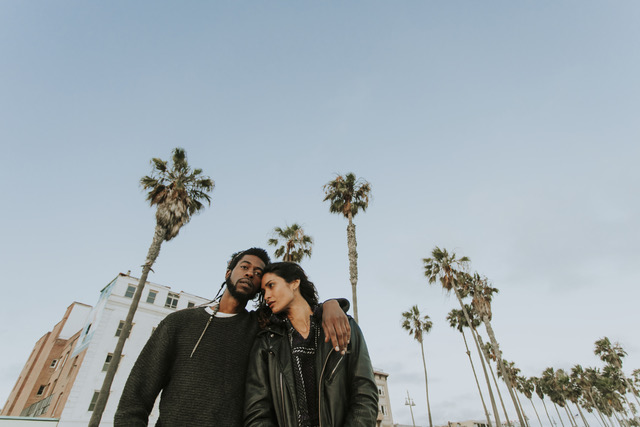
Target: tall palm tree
294,243
513,372
347,196
457,321
178,192
482,295
417,326
490,356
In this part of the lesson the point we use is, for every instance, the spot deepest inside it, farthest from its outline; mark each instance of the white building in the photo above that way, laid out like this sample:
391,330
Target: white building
100,334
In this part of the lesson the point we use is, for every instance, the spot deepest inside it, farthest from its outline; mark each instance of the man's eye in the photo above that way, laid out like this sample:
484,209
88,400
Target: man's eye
244,267
259,273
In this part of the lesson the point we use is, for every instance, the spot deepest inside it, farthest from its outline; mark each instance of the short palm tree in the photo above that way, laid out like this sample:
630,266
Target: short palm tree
293,243
349,195
417,326
178,192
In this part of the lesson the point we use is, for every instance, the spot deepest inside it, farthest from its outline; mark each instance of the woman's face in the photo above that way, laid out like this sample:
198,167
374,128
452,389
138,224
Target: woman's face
278,294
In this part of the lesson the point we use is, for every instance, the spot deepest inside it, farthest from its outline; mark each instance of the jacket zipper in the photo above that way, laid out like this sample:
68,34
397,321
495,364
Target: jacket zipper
324,366
284,414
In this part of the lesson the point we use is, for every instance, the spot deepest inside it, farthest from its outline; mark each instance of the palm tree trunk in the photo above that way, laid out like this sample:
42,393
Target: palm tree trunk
536,411
593,403
572,420
476,337
152,255
545,410
505,374
558,412
522,410
584,420
426,382
353,264
476,378
495,381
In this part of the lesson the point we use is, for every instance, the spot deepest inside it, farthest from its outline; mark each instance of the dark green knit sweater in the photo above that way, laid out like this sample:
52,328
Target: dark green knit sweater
204,390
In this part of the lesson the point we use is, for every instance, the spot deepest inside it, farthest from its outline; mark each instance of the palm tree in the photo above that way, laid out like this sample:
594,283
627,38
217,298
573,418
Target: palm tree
612,355
457,321
450,271
178,192
512,372
489,355
482,295
538,383
526,387
417,326
295,244
347,196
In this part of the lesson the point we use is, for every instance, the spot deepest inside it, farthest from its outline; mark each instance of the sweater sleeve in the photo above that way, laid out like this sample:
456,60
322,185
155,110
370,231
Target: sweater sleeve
148,377
258,408
364,393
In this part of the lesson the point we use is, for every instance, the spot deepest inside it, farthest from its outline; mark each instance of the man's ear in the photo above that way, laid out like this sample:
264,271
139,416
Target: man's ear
227,274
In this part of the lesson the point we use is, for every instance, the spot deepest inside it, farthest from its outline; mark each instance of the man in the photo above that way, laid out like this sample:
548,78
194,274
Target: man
198,357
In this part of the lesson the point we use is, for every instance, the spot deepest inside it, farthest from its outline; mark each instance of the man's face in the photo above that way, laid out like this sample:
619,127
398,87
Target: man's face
243,282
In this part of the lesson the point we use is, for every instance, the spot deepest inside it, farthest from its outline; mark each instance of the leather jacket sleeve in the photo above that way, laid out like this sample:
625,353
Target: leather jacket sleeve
258,409
363,410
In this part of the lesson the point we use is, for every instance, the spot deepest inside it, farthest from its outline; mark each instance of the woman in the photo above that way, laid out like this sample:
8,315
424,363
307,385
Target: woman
295,378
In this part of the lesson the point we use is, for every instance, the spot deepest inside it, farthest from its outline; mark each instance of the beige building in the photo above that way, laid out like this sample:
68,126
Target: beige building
48,375
384,405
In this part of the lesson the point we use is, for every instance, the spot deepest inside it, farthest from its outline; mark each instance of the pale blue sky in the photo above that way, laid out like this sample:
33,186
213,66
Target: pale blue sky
506,131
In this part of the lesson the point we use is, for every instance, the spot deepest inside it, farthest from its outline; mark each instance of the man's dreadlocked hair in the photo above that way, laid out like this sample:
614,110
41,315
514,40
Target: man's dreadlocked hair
235,259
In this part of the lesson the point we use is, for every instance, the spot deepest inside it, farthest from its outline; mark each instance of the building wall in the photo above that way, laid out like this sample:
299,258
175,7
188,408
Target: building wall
385,418
39,382
98,338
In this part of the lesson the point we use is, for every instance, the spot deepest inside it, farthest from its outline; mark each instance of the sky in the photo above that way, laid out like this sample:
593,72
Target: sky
506,132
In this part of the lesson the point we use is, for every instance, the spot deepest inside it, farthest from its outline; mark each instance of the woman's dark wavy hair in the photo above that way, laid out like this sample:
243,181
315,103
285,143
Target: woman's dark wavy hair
289,271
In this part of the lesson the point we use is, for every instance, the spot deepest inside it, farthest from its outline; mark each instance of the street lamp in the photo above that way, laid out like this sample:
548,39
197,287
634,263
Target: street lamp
408,401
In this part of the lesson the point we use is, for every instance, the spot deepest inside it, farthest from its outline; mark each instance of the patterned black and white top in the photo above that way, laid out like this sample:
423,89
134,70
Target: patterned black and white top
303,351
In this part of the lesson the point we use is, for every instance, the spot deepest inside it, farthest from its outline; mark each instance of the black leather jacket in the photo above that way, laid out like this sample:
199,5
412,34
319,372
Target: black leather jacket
348,395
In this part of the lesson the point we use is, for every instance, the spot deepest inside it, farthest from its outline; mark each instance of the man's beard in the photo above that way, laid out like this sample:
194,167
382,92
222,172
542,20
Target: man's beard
240,296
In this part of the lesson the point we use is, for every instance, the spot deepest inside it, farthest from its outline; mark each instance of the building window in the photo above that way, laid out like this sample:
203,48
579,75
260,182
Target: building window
54,363
94,399
121,326
383,409
151,298
41,390
107,362
172,300
191,304
130,291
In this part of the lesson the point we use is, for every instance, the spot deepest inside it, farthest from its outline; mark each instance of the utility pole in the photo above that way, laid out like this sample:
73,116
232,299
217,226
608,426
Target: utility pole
408,401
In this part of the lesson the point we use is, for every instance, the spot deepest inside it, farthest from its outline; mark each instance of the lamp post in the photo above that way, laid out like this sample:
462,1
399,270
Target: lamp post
408,401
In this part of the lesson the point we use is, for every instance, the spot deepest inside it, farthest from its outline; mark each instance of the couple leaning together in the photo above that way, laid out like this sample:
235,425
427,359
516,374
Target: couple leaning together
292,362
